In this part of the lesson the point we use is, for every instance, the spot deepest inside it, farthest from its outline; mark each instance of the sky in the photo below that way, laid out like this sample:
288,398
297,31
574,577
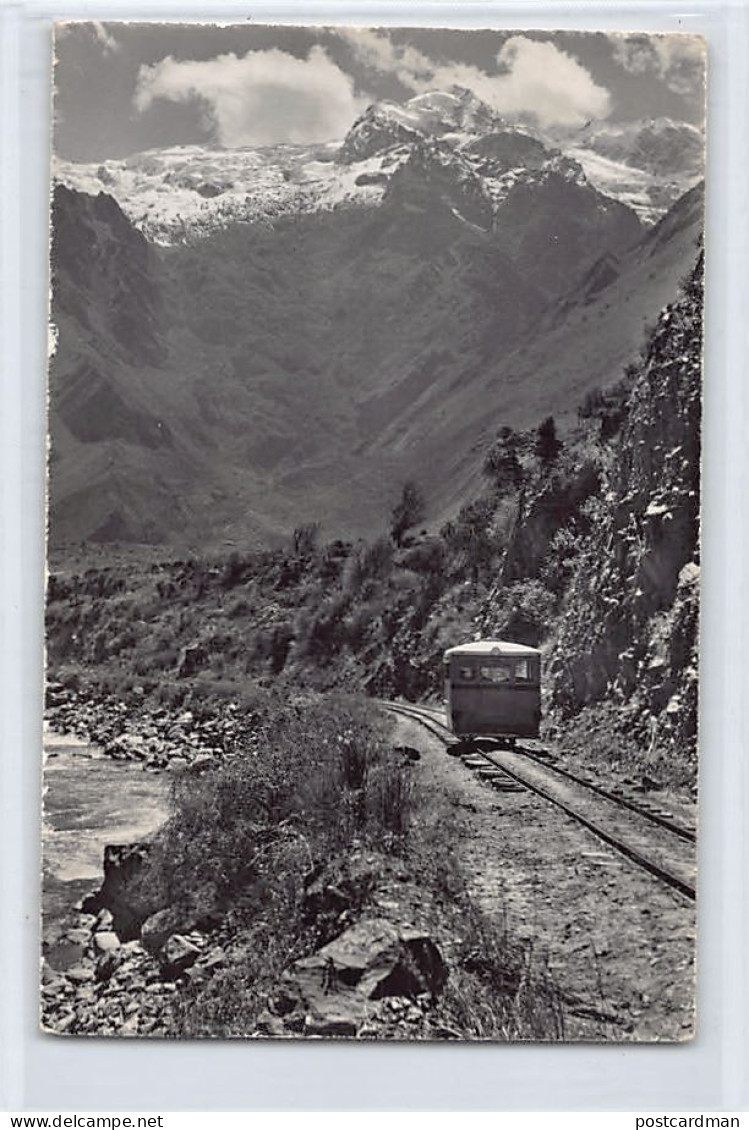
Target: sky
121,88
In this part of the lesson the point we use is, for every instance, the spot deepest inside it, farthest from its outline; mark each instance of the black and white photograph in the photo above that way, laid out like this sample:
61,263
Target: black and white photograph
373,534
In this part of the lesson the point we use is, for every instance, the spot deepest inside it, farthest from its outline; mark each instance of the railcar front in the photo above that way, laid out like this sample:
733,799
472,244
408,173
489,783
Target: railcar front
493,689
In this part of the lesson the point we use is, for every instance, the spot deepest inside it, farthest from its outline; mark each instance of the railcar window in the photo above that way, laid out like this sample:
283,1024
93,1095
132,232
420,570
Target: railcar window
496,674
466,673
523,671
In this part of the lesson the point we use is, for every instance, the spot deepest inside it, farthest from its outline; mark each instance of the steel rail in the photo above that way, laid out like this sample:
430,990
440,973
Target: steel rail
662,821
634,854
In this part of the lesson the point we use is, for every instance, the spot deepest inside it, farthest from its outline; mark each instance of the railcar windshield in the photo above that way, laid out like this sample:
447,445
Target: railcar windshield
497,673
510,670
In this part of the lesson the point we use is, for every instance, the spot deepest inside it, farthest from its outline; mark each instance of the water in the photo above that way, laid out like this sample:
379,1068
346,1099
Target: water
89,801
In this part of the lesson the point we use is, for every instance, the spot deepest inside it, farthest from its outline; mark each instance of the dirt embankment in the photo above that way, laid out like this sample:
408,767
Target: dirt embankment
619,945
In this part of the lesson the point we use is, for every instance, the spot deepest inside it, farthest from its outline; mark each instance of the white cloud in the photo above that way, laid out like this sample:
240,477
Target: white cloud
377,51
678,60
537,79
94,29
260,98
105,38
544,81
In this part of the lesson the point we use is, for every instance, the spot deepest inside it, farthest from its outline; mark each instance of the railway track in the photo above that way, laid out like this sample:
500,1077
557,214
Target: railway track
650,839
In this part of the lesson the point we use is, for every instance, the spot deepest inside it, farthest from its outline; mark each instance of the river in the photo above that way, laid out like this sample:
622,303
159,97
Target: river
89,801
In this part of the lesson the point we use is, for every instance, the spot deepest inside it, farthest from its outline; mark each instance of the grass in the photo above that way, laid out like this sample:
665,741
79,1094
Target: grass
499,991
315,787
314,781
310,780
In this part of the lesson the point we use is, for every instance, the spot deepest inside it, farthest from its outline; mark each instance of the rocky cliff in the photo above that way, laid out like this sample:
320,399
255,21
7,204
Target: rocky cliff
628,628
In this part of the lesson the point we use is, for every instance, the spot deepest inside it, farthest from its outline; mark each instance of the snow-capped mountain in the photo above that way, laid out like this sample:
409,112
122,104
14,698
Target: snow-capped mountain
659,146
456,113
178,194
232,386
648,165
250,337
188,191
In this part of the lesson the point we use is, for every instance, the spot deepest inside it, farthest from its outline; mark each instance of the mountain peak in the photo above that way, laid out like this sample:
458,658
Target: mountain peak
432,113
184,193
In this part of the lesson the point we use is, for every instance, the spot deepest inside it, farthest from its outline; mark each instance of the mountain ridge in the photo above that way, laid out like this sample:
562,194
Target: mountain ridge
266,376
186,192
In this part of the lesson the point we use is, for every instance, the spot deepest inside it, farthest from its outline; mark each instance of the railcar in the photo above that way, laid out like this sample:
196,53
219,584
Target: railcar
493,689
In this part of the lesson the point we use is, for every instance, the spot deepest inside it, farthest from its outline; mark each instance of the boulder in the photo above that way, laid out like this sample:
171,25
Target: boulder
127,747
215,957
123,893
408,752
332,889
373,959
105,941
269,1025
49,976
331,1022
156,930
203,763
104,921
77,936
177,955
80,974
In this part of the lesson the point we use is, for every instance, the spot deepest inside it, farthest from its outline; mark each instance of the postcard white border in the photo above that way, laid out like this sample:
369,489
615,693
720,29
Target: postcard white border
44,1072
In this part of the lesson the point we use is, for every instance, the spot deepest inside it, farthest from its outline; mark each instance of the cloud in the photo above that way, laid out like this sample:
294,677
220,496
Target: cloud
105,38
378,52
678,60
549,83
94,30
260,98
536,78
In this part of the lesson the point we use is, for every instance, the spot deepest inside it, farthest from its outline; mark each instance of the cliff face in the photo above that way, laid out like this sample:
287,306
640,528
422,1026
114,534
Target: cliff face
628,627
552,506
106,276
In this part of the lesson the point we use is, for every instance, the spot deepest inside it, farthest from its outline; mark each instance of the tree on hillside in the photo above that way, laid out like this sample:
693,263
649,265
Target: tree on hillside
547,446
305,538
407,511
502,465
469,537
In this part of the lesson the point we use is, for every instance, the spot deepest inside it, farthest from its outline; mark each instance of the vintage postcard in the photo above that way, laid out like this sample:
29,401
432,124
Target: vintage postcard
374,500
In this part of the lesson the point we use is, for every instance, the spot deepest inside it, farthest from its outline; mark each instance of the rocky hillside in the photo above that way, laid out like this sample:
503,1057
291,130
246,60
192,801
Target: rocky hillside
303,886
603,551
629,625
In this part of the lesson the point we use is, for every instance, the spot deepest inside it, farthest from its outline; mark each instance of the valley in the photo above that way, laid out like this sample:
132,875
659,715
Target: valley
224,390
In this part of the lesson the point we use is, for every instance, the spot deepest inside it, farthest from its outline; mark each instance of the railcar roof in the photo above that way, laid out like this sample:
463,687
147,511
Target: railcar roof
492,647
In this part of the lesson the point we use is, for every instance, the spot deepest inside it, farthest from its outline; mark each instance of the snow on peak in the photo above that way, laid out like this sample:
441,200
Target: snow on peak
431,114
184,192
177,194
